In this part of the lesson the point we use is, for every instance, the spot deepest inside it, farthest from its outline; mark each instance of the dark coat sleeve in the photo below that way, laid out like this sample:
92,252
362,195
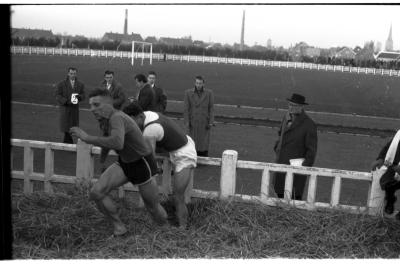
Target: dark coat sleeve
311,143
119,97
61,97
162,99
146,98
82,94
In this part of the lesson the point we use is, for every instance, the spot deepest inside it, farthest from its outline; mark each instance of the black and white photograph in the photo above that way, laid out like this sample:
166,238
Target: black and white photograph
204,131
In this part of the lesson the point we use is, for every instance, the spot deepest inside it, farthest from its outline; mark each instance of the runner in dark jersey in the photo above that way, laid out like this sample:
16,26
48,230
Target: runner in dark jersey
136,162
166,135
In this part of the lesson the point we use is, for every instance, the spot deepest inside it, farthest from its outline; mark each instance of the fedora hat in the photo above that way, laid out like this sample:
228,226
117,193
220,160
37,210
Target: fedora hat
298,99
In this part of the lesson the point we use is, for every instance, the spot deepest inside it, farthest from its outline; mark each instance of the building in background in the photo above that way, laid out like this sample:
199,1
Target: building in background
242,32
269,44
31,33
345,53
389,41
385,56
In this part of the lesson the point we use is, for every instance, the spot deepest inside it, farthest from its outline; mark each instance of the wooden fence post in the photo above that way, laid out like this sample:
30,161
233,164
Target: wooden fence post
188,191
228,173
265,184
28,169
288,185
84,160
376,195
48,168
335,196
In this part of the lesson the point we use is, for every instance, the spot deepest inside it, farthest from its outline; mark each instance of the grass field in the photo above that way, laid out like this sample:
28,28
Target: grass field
253,232
66,226
232,84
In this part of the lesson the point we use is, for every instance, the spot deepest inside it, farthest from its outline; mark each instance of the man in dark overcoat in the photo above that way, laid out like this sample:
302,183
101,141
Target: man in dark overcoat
297,139
161,97
198,114
69,93
146,96
115,88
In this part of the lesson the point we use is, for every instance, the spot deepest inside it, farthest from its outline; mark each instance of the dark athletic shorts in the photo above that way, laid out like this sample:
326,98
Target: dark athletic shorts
140,171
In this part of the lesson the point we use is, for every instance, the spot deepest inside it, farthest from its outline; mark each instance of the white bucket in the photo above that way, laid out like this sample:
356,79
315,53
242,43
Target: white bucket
296,161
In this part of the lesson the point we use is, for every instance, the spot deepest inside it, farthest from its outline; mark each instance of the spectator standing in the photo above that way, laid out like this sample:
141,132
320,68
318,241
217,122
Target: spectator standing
161,97
115,88
146,96
198,115
297,139
388,161
69,93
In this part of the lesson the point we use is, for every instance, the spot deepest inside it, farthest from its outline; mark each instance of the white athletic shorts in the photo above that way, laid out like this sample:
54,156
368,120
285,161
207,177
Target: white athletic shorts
184,157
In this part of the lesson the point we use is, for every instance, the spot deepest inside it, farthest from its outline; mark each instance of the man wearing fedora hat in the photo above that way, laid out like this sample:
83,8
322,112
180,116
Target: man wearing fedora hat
297,139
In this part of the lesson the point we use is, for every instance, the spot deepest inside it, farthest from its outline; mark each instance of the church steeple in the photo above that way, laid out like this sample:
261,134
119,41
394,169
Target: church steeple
389,41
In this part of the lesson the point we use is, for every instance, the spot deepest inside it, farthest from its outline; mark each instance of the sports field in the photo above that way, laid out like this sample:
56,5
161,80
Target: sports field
33,77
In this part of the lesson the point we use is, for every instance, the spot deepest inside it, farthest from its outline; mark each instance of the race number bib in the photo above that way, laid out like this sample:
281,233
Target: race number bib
74,99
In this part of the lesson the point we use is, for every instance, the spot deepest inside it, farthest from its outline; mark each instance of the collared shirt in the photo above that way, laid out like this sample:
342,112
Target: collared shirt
72,82
108,86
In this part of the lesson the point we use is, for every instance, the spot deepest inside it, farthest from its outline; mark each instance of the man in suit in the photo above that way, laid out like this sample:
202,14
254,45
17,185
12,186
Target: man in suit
198,115
161,97
69,93
147,96
297,139
116,90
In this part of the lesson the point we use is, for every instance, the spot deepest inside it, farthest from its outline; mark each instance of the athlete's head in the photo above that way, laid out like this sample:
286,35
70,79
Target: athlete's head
136,113
101,103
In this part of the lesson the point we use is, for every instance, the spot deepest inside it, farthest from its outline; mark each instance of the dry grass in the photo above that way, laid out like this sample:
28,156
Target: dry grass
66,225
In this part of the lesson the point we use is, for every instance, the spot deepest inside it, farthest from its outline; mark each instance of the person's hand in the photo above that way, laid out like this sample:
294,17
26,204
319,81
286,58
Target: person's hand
79,133
376,164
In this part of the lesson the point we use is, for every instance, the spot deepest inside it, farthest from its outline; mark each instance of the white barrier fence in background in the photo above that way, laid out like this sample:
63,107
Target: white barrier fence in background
228,164
197,58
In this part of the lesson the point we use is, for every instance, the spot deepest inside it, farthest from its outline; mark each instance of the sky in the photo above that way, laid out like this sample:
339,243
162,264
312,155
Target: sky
320,26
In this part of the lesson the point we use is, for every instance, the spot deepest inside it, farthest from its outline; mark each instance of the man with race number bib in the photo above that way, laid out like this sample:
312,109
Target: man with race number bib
136,162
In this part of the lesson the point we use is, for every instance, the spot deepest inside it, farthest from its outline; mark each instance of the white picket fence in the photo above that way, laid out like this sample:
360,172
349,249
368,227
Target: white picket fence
228,164
202,59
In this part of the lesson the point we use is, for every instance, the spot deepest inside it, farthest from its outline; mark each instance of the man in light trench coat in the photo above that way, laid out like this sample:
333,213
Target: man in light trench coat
198,115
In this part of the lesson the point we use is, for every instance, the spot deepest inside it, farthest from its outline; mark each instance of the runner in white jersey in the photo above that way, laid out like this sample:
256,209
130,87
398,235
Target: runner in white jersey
163,133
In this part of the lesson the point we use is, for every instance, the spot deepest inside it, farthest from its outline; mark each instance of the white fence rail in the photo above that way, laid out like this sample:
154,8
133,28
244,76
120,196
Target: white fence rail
228,164
202,59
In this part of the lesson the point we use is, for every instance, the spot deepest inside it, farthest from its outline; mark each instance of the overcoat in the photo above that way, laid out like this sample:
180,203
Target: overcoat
161,99
147,98
297,141
117,93
198,113
69,112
